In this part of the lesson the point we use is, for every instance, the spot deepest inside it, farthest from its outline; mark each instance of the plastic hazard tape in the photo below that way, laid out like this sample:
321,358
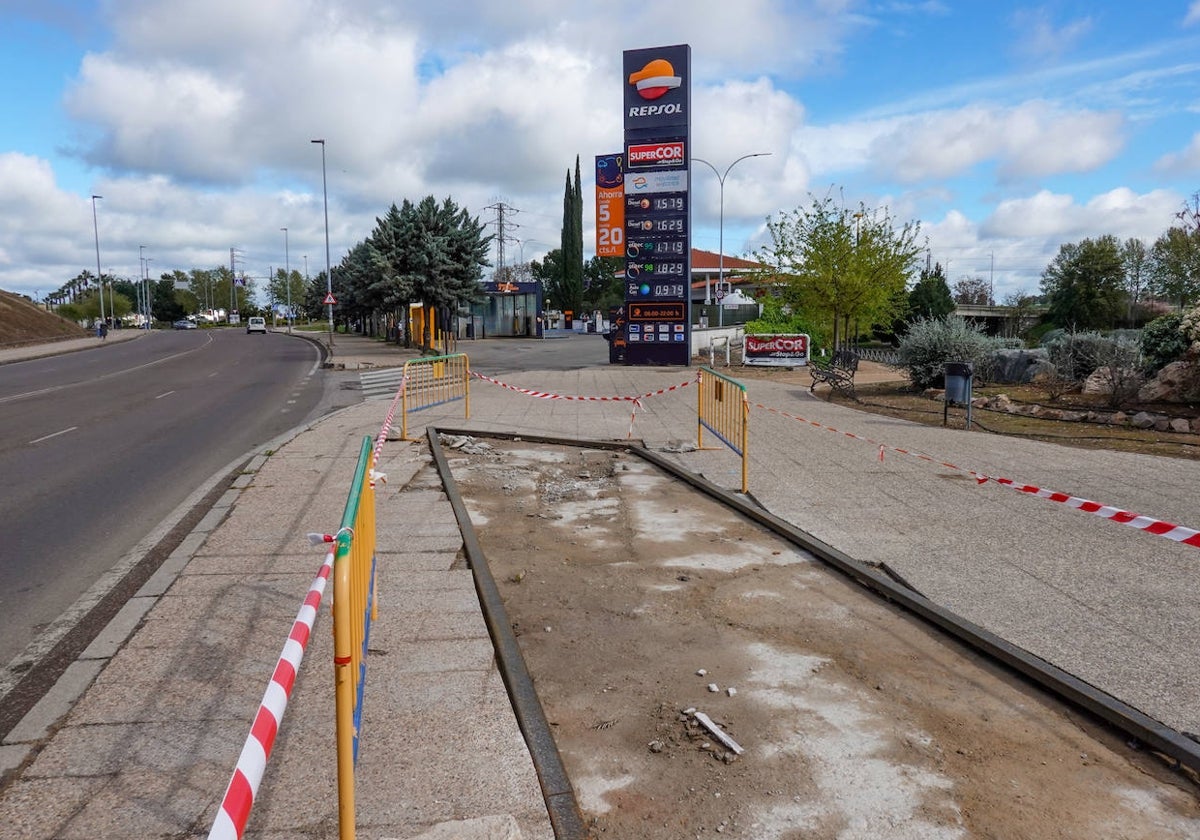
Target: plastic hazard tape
377,450
231,817
546,395
1158,527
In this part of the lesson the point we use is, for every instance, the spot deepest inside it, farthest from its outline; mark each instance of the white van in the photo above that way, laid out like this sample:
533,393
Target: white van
256,324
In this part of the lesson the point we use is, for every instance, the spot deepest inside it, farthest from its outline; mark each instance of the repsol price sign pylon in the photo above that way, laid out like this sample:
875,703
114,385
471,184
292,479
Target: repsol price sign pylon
658,271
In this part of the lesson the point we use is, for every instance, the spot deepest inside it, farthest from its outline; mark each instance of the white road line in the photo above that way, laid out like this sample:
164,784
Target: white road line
56,434
167,394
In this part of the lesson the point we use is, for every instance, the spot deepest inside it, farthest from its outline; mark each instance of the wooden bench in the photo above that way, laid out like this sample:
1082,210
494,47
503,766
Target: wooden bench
838,373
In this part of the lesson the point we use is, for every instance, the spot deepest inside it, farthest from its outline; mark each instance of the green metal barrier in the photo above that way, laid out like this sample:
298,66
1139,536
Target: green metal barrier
354,608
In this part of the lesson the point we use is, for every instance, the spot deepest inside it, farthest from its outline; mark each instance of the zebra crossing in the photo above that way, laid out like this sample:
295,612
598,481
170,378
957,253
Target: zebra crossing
380,383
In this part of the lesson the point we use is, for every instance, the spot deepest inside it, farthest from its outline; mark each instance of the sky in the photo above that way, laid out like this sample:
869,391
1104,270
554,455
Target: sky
1004,129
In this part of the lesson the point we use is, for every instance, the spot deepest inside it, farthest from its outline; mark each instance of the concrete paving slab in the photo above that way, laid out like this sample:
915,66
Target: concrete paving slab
119,629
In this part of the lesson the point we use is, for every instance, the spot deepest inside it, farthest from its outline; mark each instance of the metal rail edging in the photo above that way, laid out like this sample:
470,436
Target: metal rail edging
561,805
1106,707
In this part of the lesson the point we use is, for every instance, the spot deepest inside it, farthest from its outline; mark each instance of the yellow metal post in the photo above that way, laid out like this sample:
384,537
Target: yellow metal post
344,680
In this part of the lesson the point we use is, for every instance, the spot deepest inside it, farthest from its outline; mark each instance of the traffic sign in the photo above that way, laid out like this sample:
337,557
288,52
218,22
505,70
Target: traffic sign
330,300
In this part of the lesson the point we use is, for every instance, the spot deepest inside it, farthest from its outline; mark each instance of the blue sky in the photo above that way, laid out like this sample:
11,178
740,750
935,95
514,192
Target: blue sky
1005,129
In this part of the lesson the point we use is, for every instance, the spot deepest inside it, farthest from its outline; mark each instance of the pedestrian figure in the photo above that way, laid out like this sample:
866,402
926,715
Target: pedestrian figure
103,330
99,324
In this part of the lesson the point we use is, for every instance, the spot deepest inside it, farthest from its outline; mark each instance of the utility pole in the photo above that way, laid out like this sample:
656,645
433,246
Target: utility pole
501,235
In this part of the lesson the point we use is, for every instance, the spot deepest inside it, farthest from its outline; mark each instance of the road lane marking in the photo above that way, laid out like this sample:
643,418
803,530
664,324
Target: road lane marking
54,435
167,394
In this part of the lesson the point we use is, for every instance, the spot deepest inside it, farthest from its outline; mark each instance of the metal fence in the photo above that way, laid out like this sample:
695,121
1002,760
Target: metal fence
724,409
433,381
354,608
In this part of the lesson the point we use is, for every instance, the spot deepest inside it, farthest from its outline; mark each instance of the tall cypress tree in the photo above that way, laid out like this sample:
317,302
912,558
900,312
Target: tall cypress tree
567,293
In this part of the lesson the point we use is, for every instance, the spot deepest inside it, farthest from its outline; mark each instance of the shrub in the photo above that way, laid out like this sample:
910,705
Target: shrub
1076,355
931,343
1190,325
1163,341
777,318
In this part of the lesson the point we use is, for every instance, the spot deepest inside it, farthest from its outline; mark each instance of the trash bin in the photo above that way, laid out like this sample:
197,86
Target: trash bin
958,382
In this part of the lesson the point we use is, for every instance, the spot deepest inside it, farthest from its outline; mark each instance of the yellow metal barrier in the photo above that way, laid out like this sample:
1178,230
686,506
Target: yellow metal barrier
432,381
724,409
354,608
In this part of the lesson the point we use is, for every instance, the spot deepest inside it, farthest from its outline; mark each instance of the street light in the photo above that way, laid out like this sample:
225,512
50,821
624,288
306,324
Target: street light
99,276
721,246
287,274
328,274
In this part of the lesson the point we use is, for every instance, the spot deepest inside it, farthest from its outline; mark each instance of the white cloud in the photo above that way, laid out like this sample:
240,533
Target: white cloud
1032,140
1059,217
1184,162
1040,39
1193,13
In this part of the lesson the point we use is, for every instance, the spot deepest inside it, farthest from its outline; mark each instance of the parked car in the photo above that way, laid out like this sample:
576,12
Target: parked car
256,324
183,324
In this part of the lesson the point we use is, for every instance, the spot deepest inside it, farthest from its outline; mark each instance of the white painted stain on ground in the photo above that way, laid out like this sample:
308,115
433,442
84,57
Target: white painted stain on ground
840,736
1147,806
735,557
592,790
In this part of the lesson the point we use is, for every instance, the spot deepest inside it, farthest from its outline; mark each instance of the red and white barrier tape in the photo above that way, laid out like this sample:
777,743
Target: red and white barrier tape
235,807
377,450
1177,533
546,395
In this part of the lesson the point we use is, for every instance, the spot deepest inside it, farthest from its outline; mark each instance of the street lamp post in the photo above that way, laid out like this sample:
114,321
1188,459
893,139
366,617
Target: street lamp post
721,234
99,276
287,275
328,274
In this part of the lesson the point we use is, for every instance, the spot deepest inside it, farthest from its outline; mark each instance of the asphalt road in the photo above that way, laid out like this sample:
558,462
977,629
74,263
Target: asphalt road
98,447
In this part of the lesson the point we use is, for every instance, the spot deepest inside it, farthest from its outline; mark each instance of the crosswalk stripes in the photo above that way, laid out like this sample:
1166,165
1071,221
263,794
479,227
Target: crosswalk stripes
381,384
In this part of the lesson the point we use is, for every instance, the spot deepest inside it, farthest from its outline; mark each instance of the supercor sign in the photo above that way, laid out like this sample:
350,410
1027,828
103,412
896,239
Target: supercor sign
656,154
787,350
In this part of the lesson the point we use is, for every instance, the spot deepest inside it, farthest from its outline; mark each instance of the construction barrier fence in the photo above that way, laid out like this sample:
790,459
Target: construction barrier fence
354,608
434,380
724,409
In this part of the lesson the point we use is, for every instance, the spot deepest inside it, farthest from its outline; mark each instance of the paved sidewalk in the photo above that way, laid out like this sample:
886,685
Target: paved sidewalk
170,694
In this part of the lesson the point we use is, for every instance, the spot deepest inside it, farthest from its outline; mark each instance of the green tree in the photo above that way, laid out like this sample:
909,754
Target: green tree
284,286
930,297
841,265
549,273
1084,284
445,253
566,290
1175,266
1135,258
603,281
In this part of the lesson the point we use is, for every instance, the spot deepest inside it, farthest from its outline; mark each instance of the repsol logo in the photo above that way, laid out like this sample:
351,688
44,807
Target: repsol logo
655,110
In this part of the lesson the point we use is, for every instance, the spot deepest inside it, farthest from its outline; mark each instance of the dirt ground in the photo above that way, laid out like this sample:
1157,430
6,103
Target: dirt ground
638,601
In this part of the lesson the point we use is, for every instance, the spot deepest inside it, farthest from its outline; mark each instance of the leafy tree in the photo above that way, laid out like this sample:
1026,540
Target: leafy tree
284,286
930,297
1175,261
1135,258
973,291
841,265
446,251
549,273
603,282
1084,284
